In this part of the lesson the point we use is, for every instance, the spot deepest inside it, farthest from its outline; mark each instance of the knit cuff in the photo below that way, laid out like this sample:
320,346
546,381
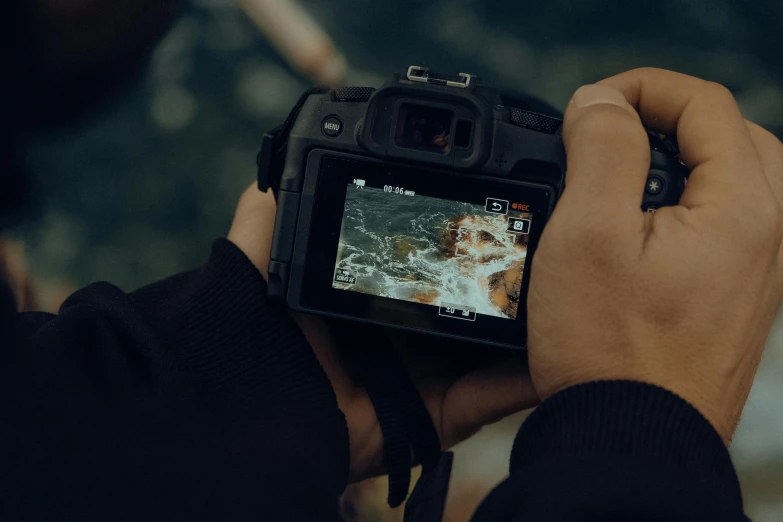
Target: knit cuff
241,351
628,419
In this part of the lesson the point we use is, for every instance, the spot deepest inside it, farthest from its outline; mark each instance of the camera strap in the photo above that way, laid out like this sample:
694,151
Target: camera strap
409,434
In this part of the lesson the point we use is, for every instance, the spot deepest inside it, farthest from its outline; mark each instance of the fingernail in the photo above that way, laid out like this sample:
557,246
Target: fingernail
590,95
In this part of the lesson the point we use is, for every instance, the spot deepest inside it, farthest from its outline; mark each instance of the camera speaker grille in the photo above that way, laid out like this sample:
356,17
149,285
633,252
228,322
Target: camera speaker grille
535,121
353,94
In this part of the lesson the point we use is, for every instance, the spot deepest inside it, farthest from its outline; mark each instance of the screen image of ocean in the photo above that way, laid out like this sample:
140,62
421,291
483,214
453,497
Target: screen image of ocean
431,251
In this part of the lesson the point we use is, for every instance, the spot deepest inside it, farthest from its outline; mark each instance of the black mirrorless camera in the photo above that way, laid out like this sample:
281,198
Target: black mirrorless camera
419,205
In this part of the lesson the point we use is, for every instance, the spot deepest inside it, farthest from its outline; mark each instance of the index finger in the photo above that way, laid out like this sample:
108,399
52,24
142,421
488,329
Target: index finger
714,141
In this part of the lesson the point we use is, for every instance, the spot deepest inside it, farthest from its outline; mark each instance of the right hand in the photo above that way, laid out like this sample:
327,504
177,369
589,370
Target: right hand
683,298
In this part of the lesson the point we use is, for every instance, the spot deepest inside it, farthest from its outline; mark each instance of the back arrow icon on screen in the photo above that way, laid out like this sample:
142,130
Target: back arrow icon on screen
497,206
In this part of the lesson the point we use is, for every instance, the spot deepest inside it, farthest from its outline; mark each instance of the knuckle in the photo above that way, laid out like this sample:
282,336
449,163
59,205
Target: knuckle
648,71
762,227
763,135
765,139
611,123
718,91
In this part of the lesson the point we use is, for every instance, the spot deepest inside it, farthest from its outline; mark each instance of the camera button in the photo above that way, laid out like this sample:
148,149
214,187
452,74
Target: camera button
519,225
654,186
496,206
332,126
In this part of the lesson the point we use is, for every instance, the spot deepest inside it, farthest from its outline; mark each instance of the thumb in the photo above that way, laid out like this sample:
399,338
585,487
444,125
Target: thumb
253,226
483,397
608,154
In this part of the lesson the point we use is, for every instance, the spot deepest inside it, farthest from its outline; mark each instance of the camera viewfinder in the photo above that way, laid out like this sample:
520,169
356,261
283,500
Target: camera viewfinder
424,128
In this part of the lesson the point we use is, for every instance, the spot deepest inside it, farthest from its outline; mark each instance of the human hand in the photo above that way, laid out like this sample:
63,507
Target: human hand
13,272
460,402
683,298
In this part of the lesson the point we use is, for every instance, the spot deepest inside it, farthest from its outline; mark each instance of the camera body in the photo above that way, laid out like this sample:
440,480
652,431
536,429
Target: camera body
420,205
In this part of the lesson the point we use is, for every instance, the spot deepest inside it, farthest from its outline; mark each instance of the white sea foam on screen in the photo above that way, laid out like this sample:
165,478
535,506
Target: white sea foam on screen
483,248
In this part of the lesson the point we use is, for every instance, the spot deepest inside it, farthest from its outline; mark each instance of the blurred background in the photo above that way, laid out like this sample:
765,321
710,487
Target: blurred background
144,118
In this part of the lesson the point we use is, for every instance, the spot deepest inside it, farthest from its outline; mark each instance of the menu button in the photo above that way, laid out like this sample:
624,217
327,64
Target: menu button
332,126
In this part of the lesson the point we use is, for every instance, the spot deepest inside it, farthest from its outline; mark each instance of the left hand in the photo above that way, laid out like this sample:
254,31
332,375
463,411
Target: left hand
460,404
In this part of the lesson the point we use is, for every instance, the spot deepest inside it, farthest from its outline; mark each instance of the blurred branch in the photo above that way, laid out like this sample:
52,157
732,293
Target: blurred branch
298,38
12,270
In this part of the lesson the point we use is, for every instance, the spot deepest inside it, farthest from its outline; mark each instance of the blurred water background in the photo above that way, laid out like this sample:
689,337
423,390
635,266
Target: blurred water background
137,190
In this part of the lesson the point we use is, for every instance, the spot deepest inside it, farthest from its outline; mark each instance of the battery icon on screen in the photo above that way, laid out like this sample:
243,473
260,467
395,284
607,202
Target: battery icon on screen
409,193
358,182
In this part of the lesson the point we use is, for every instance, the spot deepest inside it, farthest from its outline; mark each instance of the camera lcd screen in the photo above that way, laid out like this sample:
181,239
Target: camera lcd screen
464,258
423,249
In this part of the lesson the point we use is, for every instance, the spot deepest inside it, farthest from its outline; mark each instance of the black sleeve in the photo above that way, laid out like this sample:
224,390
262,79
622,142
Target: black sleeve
191,399
616,451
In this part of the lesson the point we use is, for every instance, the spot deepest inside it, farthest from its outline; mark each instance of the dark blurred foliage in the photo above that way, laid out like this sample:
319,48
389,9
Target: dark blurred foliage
82,55
137,198
14,180
62,61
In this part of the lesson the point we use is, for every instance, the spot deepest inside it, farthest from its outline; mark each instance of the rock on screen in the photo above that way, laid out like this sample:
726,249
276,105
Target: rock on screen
432,251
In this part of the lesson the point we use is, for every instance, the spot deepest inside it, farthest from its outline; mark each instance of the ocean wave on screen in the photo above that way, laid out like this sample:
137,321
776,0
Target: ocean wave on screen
431,251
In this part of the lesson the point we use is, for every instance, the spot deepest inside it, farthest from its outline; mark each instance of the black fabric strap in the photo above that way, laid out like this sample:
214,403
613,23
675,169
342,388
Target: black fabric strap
285,130
405,422
428,499
270,159
417,420
379,370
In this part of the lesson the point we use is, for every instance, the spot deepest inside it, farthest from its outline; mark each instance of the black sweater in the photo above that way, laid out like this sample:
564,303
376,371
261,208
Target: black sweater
191,399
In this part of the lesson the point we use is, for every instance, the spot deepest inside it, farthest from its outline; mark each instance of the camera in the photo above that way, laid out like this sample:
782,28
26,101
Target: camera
419,205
